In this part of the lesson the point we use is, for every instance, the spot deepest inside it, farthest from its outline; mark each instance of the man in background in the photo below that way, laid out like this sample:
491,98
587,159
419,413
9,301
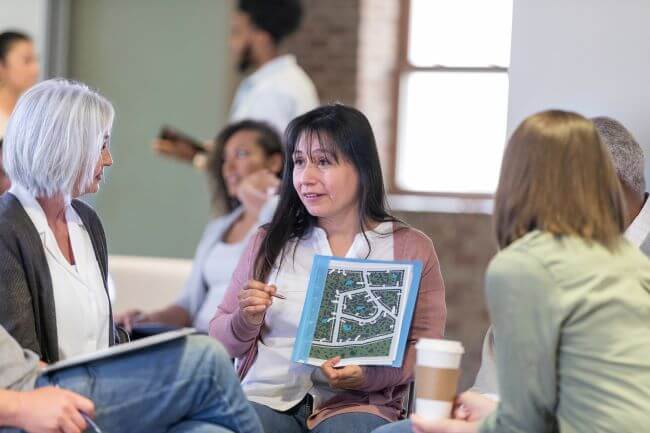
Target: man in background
276,89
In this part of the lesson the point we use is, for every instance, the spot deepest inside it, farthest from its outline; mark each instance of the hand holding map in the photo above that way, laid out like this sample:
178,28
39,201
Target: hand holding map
348,377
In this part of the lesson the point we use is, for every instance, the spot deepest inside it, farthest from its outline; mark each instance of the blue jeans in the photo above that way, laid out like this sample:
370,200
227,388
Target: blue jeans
295,420
395,427
184,386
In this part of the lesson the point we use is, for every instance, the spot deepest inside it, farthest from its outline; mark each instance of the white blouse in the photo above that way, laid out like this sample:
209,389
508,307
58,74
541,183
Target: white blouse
274,380
214,264
80,299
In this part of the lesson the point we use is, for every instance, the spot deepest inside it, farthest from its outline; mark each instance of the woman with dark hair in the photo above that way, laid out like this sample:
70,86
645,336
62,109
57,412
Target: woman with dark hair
243,170
332,202
568,295
18,72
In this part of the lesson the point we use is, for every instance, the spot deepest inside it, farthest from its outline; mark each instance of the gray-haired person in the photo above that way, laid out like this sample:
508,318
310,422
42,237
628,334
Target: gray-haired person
53,300
629,162
53,257
186,385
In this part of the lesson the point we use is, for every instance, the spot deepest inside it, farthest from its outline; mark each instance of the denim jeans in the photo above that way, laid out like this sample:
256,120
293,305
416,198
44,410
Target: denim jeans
395,427
295,420
184,386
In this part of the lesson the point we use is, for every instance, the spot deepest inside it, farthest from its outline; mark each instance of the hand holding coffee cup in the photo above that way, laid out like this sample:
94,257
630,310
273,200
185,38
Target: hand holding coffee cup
471,408
436,377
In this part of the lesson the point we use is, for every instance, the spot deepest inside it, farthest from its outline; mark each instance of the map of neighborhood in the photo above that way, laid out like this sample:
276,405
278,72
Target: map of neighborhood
359,313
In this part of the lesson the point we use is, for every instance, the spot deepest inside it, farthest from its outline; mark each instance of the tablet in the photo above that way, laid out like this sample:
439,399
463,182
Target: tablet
119,349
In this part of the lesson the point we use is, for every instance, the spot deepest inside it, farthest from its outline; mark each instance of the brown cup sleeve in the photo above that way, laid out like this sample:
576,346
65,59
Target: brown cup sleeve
436,383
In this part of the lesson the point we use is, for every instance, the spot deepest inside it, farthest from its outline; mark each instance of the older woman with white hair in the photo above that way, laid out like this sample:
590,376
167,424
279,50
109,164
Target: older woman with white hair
53,256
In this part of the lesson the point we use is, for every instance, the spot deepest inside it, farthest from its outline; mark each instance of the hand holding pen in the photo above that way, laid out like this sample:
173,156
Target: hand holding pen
53,409
255,298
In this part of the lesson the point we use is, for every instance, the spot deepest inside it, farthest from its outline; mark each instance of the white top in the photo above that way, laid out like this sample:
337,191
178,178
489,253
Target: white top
274,380
81,303
639,229
213,266
276,93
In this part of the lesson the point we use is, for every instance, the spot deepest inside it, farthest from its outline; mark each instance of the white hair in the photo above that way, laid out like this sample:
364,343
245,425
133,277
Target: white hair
626,153
54,137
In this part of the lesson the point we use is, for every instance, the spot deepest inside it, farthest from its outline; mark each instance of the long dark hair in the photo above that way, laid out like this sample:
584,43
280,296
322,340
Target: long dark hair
346,133
267,138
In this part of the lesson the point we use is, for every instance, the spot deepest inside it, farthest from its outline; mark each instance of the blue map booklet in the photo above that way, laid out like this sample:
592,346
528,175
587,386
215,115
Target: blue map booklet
360,310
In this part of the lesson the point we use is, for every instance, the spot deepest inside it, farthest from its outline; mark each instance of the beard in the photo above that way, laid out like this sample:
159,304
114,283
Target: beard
245,59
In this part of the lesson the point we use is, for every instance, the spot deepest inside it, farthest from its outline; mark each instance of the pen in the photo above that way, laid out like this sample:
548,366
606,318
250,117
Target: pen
279,296
91,423
89,420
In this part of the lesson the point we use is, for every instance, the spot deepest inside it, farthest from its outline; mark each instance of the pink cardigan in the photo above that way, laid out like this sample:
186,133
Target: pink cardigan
384,388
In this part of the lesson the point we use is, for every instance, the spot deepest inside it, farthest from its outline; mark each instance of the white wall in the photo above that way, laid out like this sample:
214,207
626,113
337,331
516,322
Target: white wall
158,61
28,16
591,56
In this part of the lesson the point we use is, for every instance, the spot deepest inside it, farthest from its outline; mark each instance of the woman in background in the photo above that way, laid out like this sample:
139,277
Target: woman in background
18,72
244,170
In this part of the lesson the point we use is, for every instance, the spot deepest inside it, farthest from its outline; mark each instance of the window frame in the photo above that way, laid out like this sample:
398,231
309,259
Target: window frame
403,67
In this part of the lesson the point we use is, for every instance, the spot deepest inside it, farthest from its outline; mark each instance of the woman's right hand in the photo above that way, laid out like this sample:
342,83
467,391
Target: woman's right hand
255,189
49,409
254,299
129,318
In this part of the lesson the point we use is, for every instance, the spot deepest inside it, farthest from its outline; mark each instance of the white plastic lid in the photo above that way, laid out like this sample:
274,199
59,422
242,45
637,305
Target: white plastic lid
449,346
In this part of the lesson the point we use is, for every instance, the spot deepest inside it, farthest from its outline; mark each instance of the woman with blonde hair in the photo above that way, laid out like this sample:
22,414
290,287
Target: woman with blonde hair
569,297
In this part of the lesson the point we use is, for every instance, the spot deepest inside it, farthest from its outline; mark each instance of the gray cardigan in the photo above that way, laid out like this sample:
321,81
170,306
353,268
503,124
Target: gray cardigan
27,308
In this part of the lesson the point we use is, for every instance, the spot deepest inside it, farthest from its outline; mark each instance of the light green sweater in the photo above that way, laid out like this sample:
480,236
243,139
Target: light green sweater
572,327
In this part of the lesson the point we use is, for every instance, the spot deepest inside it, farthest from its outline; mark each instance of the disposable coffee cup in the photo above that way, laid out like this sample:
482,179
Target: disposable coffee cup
436,377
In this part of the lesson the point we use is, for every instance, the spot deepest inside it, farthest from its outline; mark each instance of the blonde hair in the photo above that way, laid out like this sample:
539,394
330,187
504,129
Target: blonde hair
558,177
54,137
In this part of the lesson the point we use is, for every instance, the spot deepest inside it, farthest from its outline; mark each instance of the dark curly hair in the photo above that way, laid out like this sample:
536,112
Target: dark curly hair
267,138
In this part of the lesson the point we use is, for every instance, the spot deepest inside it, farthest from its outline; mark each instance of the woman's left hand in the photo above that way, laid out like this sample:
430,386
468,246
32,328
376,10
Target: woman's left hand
348,377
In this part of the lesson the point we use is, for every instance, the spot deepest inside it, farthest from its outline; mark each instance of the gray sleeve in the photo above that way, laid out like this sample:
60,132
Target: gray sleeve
18,368
16,303
195,290
486,379
520,294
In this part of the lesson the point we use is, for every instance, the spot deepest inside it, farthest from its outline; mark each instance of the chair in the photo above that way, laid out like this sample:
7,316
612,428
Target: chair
146,283
409,400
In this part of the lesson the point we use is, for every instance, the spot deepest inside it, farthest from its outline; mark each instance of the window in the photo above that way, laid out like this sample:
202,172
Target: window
453,96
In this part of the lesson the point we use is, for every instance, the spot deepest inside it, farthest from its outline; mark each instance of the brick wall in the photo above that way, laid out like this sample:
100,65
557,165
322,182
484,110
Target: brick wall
378,50
326,47
464,244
